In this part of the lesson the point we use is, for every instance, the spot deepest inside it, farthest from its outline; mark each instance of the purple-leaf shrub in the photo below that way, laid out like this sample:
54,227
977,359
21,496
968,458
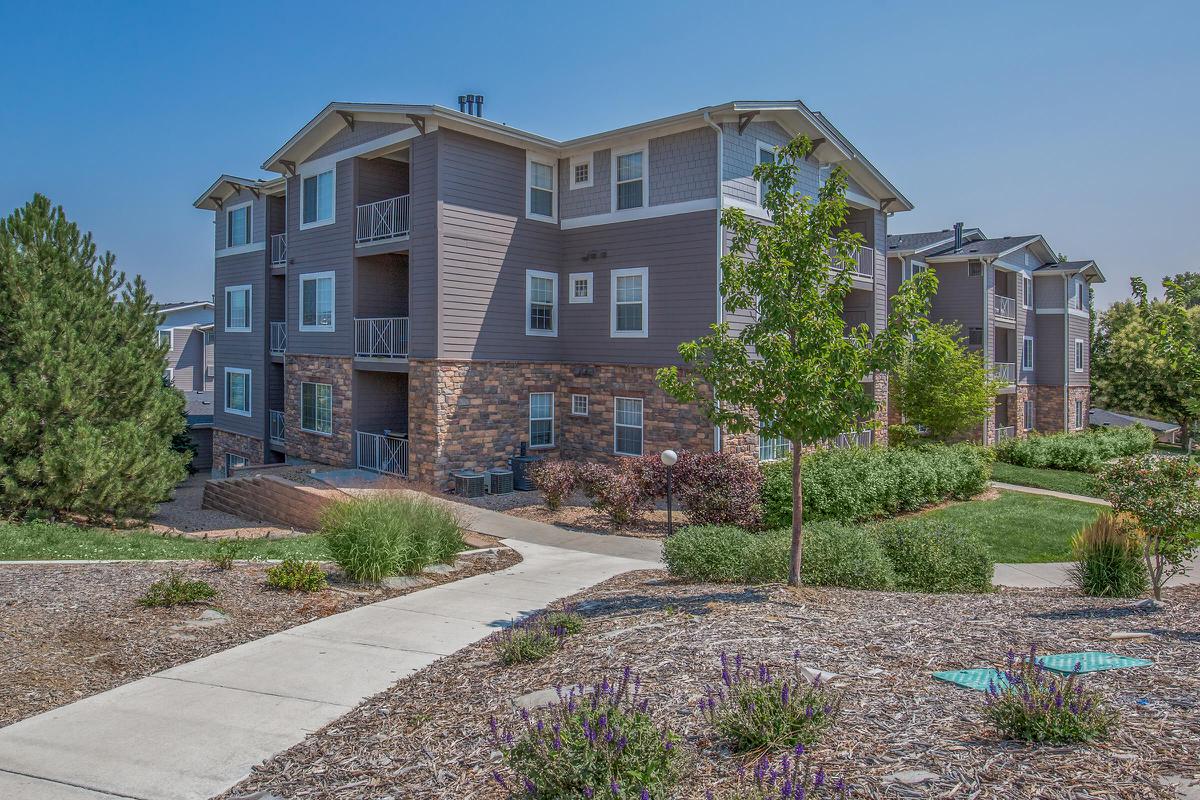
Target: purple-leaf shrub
791,777
614,491
556,480
1028,702
719,489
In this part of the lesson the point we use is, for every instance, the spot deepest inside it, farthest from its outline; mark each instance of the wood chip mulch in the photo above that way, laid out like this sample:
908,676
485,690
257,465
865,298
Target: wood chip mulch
902,733
72,630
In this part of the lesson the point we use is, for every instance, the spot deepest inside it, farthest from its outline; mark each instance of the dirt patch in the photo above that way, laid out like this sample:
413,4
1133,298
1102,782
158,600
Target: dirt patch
428,736
69,631
183,515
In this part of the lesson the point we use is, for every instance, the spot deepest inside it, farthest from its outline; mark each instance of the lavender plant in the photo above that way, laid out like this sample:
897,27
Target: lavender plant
791,778
758,711
596,742
1026,701
530,640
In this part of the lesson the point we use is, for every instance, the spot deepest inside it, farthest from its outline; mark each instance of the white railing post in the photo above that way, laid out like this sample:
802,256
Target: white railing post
381,337
278,337
279,248
277,428
383,219
384,454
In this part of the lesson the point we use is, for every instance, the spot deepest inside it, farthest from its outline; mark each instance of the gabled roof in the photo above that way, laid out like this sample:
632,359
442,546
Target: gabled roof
1087,269
227,185
992,247
163,308
905,243
1098,416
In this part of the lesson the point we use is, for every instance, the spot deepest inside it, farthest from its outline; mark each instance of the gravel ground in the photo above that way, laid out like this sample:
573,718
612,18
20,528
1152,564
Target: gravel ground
183,514
902,733
576,514
69,631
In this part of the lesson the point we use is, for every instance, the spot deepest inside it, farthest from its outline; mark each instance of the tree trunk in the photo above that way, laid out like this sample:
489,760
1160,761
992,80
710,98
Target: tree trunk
797,559
1154,566
1185,430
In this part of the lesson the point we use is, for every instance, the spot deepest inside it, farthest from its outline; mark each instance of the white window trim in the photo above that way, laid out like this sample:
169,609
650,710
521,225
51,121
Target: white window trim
314,276
1028,416
529,431
312,173
249,227
549,161
249,392
574,411
1027,291
170,338
910,268
1029,339
169,374
314,431
644,149
590,161
1079,358
1078,413
249,308
575,276
612,303
641,426
759,147
530,274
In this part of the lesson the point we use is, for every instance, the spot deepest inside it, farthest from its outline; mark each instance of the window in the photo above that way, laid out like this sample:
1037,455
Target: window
773,448
316,408
1027,294
579,405
209,372
164,337
1027,353
766,155
317,200
627,426
169,376
233,461
974,337
581,287
1080,300
541,419
914,268
1079,355
542,180
1078,415
629,310
629,180
541,303
237,225
237,309
1028,408
581,172
316,301
237,391
974,268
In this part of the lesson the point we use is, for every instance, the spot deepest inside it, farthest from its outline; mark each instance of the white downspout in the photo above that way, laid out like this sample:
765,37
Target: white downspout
1068,353
720,242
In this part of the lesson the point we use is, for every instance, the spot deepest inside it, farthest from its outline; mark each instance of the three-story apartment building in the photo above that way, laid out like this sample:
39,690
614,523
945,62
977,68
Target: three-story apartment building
1026,311
422,290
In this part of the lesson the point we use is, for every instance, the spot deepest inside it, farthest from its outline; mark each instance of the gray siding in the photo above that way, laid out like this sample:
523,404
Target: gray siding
1048,291
202,439
424,303
741,155
1079,330
243,350
187,359
379,179
258,217
363,132
683,167
381,286
1050,349
589,200
959,299
380,401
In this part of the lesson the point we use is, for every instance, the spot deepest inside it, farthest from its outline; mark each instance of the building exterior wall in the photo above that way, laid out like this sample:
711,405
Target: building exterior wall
223,442
336,448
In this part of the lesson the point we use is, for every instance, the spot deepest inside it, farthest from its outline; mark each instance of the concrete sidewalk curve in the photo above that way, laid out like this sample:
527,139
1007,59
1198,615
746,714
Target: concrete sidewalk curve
195,730
1079,498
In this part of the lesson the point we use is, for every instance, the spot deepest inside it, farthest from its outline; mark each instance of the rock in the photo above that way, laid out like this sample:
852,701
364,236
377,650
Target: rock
210,618
1185,788
811,674
911,777
1149,604
539,699
1131,635
441,569
404,582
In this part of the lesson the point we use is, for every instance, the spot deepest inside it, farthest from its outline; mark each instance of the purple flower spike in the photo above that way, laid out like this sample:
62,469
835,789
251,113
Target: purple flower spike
496,776
645,794
819,777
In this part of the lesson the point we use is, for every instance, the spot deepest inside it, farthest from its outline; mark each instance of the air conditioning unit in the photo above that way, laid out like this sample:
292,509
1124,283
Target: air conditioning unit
469,484
499,481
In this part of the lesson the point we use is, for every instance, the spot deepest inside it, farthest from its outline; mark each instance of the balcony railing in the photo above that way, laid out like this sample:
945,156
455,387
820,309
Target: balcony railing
278,337
864,263
279,248
1005,307
277,426
1005,371
851,439
381,337
385,219
1006,432
383,453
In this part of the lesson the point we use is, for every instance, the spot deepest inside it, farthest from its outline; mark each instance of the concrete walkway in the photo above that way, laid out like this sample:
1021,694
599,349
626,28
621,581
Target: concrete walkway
1012,487
1055,575
193,731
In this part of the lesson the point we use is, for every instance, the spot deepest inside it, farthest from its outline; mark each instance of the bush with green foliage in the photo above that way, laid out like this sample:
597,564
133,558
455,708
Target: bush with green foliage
175,589
598,741
853,484
756,711
224,553
789,777
294,575
616,491
928,555
555,479
536,637
1030,703
374,537
1085,451
1108,559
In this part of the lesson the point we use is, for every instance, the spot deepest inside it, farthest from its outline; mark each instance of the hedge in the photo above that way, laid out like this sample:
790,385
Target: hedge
1085,451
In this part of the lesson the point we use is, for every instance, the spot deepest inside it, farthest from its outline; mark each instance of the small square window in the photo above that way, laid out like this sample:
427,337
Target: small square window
974,268
579,405
581,287
581,172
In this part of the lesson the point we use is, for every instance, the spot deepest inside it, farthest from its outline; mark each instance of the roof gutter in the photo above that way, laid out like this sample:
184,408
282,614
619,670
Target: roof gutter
720,243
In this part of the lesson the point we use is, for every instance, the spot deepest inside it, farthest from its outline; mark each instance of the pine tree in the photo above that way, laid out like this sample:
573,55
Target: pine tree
85,420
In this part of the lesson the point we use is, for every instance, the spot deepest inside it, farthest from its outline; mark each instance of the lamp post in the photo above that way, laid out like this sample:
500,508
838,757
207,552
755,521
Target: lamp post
669,457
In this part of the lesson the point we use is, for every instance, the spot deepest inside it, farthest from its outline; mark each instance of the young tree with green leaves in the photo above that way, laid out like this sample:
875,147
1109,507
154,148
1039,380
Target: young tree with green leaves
86,421
792,370
941,384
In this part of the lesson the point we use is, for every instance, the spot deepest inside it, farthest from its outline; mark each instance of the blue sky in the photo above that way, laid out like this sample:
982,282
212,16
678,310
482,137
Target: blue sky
1077,120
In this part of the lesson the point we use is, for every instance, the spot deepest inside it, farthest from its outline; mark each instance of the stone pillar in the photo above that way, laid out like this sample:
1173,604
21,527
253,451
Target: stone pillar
336,448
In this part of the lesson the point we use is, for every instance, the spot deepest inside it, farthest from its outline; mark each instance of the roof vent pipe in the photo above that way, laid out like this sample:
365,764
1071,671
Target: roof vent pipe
479,105
958,229
470,104
462,103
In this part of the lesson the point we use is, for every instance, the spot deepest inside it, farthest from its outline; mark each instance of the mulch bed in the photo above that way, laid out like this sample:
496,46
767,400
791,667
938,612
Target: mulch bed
69,631
427,736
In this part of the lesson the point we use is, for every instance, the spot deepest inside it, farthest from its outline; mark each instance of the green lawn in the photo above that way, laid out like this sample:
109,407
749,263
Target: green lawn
1023,528
36,541
1060,480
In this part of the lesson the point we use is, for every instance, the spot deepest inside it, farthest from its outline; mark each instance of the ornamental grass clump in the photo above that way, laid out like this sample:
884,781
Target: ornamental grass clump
374,537
759,712
1030,703
595,742
792,777
1108,559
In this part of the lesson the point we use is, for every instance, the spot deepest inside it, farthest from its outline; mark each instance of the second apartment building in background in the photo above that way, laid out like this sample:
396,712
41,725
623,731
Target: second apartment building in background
422,290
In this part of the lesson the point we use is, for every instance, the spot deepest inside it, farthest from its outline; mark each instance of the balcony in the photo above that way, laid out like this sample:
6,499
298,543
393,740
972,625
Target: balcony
381,337
1005,372
864,263
1005,307
277,428
279,249
861,439
386,453
278,338
383,220
1006,432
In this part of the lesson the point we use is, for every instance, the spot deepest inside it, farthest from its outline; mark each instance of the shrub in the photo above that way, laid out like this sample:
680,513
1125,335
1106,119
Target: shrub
848,556
617,492
718,489
175,589
565,620
1032,704
296,575
794,777
758,712
556,480
854,484
929,555
597,742
373,537
1108,559
1084,451
527,641
224,552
